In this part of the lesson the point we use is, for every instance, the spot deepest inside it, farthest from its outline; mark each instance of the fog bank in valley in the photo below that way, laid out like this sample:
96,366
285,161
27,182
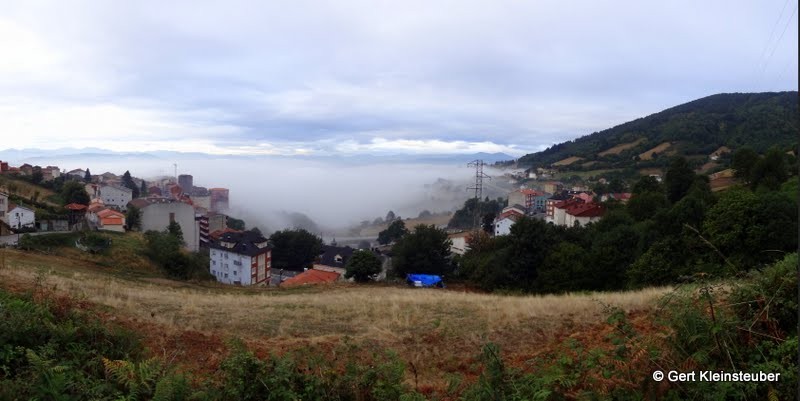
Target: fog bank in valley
333,194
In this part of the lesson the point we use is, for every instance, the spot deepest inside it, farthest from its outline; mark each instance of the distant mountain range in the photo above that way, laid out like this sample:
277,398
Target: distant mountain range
39,156
693,130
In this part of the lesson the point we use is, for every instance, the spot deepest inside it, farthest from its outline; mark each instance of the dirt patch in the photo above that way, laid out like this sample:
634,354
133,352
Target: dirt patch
567,161
647,155
621,148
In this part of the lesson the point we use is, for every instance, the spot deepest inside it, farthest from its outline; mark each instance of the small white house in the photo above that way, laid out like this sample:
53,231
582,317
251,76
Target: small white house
503,223
20,217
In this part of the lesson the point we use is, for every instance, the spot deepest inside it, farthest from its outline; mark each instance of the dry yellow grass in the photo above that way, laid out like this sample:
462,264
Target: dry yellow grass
620,148
24,189
425,326
344,309
567,161
647,155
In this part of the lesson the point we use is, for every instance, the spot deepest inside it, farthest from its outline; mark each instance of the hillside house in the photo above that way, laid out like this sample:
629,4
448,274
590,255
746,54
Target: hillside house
559,211
110,220
158,213
583,214
460,242
241,258
20,217
333,258
26,169
550,205
503,222
50,173
115,196
77,173
552,187
715,155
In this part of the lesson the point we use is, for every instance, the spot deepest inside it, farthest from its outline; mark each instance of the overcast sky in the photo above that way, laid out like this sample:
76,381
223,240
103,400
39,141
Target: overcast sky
302,77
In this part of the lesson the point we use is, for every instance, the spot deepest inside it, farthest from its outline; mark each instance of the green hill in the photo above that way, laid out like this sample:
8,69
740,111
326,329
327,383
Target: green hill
694,130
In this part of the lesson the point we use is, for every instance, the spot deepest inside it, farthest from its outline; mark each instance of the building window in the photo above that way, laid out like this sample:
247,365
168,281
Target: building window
214,262
234,272
226,275
226,256
237,263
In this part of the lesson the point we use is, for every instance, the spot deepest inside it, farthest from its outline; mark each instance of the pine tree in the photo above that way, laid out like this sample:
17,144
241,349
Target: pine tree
88,176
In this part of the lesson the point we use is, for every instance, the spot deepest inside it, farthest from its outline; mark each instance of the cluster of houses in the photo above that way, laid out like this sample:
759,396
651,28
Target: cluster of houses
576,207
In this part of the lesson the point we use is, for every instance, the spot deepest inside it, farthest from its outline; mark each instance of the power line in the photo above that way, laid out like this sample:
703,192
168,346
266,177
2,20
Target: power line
777,44
769,40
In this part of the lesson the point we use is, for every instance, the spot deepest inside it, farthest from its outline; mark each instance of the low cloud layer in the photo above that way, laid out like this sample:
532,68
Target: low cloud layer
334,195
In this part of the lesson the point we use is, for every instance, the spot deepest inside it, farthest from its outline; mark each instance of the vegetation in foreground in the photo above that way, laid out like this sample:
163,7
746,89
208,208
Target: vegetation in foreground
56,348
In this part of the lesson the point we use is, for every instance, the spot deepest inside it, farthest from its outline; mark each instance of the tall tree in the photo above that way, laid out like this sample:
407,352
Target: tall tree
128,182
362,266
175,229
74,192
679,179
769,172
294,249
87,177
395,231
390,216
426,250
143,189
133,218
743,161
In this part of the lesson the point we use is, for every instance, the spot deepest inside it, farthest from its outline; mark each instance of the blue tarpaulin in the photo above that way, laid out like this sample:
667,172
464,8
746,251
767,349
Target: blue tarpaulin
424,280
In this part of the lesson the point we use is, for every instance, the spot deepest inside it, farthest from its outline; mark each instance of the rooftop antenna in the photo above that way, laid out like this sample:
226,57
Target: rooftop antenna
478,188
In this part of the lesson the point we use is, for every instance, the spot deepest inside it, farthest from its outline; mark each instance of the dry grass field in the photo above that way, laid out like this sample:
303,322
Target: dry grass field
647,155
439,331
620,148
567,161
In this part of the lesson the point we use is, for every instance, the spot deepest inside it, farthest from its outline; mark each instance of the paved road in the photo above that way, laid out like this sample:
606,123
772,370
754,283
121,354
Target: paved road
12,239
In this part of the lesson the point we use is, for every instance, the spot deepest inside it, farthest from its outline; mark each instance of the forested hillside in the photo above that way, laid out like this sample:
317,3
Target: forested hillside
697,128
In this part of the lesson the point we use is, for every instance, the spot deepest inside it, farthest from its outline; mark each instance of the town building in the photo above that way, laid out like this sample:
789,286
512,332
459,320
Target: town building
115,196
242,258
77,173
110,220
186,182
333,258
506,219
219,200
158,213
460,242
583,214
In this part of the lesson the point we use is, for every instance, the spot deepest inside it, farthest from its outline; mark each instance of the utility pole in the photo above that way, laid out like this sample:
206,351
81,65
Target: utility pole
478,188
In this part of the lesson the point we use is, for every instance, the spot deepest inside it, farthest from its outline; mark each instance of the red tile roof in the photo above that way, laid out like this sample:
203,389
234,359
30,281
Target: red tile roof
586,210
513,214
311,277
109,213
75,207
